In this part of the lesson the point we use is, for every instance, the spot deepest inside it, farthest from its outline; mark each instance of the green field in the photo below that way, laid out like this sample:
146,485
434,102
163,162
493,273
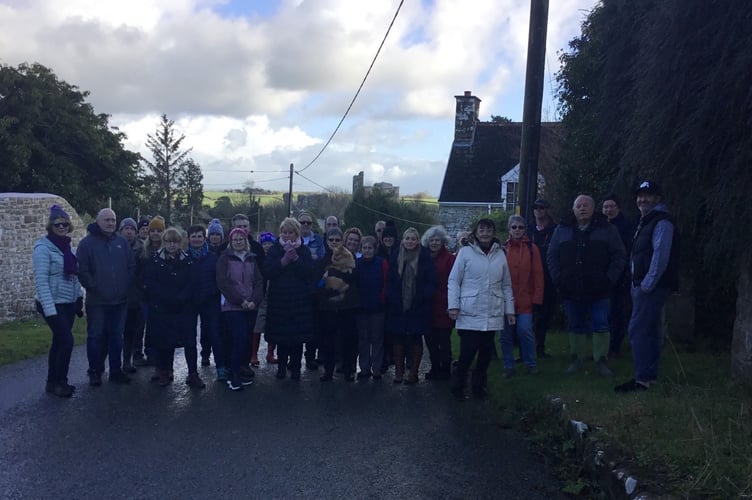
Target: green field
210,197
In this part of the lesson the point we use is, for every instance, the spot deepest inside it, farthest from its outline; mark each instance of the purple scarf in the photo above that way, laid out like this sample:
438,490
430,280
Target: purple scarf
63,243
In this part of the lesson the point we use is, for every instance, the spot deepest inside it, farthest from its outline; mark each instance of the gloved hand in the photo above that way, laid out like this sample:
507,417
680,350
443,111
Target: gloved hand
290,256
80,307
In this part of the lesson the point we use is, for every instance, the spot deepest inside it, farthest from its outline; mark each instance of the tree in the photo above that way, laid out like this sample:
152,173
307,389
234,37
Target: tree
364,211
51,140
167,167
189,195
500,119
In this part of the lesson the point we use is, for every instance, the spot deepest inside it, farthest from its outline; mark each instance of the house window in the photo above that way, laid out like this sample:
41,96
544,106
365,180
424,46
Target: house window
510,197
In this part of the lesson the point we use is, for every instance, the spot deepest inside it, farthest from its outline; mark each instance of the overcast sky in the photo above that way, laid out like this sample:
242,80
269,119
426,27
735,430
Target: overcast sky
258,84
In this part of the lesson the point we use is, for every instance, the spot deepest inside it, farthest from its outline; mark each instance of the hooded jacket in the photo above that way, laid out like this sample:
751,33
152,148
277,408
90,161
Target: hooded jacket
526,269
480,286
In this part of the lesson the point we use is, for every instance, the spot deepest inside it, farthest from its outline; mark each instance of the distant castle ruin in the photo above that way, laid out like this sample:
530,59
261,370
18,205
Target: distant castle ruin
383,187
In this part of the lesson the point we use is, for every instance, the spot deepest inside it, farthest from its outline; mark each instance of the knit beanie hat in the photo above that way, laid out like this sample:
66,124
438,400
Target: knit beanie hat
157,223
237,230
266,237
215,227
128,222
389,232
57,212
143,223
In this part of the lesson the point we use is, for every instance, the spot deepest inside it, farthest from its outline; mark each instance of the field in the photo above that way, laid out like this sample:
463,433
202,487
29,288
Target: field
211,197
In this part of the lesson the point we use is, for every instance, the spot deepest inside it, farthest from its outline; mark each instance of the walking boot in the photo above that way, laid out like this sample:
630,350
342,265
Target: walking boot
458,386
577,348
270,359
399,363
195,381
416,354
601,342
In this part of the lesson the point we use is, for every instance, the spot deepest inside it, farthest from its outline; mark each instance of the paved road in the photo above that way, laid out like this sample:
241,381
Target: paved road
276,439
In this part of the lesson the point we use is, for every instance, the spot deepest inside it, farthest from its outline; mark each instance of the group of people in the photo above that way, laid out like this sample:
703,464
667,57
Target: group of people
351,302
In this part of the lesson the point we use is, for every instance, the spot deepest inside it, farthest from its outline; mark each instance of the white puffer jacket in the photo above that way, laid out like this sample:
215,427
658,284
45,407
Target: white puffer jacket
480,286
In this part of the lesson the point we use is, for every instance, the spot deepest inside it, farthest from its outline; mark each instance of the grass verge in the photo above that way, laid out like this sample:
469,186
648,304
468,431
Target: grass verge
28,338
690,435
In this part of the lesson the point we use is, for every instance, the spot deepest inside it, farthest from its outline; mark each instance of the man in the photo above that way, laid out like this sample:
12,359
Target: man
586,258
378,229
311,239
331,223
654,266
106,267
134,319
542,230
618,316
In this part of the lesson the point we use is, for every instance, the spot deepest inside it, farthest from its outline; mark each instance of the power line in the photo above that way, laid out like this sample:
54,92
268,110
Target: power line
358,92
364,206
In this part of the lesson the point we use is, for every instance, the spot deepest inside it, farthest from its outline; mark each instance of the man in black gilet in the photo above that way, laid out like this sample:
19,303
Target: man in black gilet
654,264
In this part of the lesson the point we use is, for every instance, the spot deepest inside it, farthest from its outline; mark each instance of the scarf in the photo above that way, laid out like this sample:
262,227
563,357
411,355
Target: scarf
408,269
197,253
63,243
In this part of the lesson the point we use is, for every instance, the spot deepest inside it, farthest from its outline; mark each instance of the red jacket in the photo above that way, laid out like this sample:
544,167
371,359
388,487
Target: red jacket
526,268
443,262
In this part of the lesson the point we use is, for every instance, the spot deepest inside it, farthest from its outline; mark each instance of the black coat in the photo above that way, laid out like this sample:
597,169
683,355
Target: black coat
417,319
168,285
290,296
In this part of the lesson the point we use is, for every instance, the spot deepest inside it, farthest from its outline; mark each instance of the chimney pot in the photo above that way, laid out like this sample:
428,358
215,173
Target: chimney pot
468,93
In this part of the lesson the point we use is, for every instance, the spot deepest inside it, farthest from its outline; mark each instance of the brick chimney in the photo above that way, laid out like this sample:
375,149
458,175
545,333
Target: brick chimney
465,118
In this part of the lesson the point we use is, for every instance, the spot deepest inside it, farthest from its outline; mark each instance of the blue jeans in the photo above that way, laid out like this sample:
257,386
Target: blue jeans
645,332
104,328
577,316
239,326
524,330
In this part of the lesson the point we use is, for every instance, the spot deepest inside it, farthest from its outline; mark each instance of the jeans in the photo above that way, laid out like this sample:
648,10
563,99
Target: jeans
645,332
104,327
61,348
577,316
524,330
239,323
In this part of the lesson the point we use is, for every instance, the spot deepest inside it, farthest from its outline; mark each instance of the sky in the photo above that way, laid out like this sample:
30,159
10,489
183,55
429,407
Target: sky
255,85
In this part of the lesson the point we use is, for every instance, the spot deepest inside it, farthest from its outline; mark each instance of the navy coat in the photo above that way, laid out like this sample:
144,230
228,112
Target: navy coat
417,319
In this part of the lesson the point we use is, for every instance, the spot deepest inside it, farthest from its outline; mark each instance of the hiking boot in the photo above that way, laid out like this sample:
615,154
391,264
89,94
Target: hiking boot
311,365
62,390
281,371
222,374
245,380
603,369
574,366
295,374
326,377
129,368
195,381
139,361
247,372
533,370
205,362
364,374
631,386
50,386
119,378
163,378
95,379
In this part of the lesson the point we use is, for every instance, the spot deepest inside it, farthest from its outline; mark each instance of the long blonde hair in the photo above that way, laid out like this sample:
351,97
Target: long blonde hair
402,254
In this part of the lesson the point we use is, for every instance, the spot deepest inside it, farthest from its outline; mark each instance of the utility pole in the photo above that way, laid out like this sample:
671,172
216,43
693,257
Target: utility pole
531,114
289,195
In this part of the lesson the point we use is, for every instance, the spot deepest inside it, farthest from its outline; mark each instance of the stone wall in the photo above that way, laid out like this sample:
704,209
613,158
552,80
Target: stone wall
459,218
23,217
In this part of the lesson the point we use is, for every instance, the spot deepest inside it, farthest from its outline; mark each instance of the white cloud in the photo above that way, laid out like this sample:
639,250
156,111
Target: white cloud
254,91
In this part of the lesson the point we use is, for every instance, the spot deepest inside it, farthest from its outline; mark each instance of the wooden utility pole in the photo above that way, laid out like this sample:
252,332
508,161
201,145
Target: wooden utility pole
531,114
289,194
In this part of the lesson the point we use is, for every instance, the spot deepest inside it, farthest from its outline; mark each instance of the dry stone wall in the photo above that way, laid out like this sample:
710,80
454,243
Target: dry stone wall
457,218
23,217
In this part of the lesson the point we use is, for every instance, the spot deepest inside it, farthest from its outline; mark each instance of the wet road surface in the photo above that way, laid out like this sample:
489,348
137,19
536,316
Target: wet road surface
275,439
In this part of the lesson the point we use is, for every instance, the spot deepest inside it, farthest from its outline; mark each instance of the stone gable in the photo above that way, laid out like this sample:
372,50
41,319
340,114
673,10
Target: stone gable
23,217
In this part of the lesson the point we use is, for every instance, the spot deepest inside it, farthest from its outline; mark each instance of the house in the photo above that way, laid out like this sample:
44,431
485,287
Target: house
384,187
483,168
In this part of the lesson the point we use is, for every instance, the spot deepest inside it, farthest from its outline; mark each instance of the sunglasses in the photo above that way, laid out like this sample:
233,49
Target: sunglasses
516,227
334,240
306,222
61,224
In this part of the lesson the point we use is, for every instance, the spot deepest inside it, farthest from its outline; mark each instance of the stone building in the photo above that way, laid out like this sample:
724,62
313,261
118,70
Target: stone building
483,167
23,217
383,187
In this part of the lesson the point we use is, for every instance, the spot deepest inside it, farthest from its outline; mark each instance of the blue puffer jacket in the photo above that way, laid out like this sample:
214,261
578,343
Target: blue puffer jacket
52,286
106,267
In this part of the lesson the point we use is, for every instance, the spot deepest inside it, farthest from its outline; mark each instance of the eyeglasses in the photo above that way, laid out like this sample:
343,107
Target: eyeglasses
516,227
334,240
61,224
306,222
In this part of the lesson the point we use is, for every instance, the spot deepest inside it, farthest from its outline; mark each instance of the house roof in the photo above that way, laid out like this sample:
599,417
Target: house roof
474,171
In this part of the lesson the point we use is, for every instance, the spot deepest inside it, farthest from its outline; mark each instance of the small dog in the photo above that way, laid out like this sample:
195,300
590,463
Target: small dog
343,263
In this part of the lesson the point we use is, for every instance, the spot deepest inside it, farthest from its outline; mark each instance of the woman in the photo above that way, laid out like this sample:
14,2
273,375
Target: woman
143,354
351,240
289,316
267,241
371,278
439,340
338,331
58,296
388,242
168,284
479,296
206,299
410,288
526,270
242,286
